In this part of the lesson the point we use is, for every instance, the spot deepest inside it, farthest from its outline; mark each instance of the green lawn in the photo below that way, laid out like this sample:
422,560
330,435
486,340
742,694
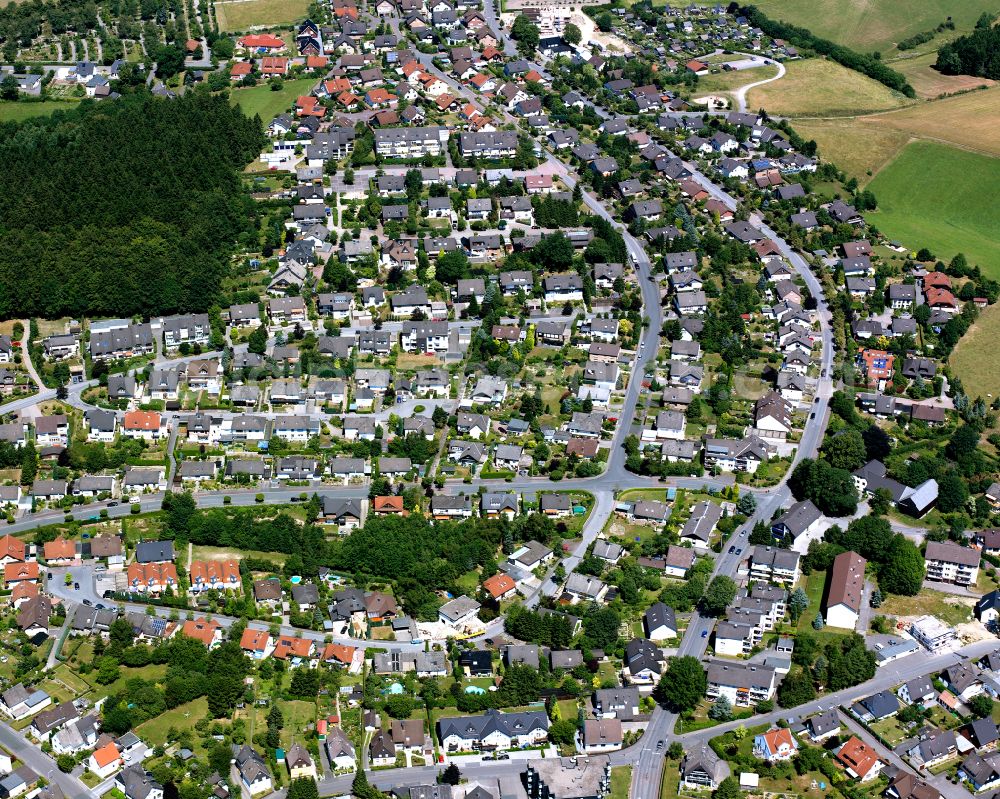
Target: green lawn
154,672
867,25
621,780
945,199
972,359
633,494
181,717
267,103
890,729
18,111
814,586
731,81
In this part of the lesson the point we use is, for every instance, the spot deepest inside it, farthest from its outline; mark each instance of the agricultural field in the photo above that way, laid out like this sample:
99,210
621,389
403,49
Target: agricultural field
241,15
817,87
867,25
267,103
731,81
923,200
974,358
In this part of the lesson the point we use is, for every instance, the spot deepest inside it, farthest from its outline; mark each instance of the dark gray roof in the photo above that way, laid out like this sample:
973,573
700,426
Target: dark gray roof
154,551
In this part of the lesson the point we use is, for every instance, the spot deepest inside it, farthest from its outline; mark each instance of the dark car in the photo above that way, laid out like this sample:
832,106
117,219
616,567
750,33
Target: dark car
76,586
704,633
87,602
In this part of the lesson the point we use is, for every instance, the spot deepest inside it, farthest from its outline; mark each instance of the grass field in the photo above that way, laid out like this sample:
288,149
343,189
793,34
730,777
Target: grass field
222,553
267,103
241,15
730,81
181,717
621,780
409,360
972,360
924,201
967,120
817,87
17,112
854,147
949,609
927,82
867,25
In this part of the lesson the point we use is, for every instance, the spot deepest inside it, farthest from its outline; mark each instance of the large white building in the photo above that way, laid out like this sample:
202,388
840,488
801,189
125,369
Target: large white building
931,633
743,685
951,563
493,730
847,587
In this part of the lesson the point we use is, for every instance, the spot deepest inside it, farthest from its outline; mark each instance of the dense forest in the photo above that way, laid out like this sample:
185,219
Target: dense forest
24,22
124,208
801,37
977,54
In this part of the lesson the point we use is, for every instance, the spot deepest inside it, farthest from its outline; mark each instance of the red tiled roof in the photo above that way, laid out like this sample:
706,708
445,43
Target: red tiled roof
268,40
254,640
142,420
498,585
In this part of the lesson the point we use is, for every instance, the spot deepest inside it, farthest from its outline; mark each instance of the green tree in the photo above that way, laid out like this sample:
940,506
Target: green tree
981,705
525,33
305,685
303,788
66,763
729,788
796,689
845,450
746,504
831,489
818,622
399,706
952,493
601,627
963,443
257,340
682,685
721,709
798,603
903,570
572,34
563,731
718,596
29,464
9,89
108,671
451,775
